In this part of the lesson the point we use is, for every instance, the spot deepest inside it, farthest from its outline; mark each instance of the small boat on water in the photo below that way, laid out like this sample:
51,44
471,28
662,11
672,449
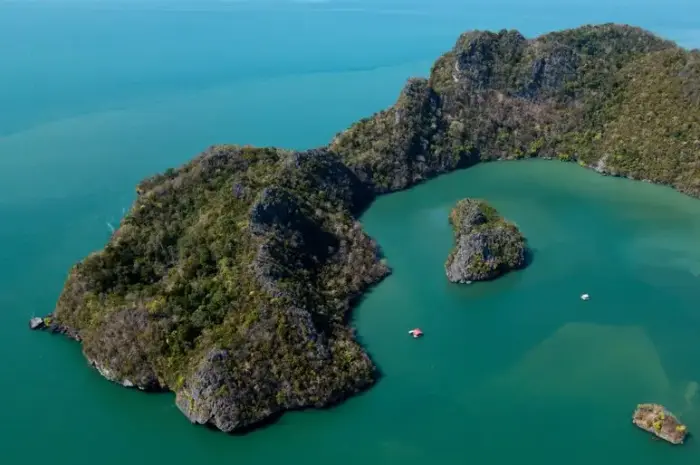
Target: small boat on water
416,332
585,297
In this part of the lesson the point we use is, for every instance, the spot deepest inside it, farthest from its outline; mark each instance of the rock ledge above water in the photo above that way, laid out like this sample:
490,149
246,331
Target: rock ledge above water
655,419
36,323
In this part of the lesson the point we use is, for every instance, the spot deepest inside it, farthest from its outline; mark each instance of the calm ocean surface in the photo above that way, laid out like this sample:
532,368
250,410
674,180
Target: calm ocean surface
95,95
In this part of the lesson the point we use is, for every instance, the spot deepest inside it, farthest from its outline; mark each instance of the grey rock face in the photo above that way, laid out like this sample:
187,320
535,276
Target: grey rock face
36,323
487,246
276,208
476,259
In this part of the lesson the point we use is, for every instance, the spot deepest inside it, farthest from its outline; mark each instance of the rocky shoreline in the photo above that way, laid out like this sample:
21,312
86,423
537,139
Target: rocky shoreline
49,324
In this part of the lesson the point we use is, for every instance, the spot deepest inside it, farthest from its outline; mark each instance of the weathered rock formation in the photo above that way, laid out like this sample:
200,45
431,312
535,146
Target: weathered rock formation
486,245
655,419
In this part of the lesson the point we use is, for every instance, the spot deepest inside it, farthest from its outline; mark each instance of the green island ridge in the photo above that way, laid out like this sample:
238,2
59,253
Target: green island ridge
486,245
231,279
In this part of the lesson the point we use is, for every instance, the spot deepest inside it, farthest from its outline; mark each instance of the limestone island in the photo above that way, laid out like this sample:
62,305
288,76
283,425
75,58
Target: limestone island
655,419
486,245
231,279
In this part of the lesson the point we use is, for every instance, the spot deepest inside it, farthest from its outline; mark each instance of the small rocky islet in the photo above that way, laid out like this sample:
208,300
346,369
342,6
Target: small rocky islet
486,245
230,280
655,419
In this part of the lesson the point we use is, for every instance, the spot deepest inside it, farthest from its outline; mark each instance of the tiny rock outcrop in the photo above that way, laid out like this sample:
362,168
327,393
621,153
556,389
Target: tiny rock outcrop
36,323
486,245
655,419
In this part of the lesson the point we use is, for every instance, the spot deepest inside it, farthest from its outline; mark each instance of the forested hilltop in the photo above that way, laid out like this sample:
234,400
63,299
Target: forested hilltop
612,97
231,279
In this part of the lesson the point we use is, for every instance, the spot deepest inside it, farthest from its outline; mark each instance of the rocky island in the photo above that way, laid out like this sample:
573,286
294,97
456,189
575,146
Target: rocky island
486,245
655,419
231,278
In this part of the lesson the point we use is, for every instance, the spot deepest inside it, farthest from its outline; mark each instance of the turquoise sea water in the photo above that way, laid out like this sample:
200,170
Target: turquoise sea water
95,95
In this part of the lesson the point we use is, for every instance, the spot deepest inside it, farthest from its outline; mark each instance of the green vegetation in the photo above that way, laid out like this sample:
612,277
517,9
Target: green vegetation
231,278
614,98
476,215
486,245
244,256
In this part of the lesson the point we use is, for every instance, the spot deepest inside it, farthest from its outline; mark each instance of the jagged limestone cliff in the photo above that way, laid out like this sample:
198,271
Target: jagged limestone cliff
231,278
615,98
229,282
486,245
